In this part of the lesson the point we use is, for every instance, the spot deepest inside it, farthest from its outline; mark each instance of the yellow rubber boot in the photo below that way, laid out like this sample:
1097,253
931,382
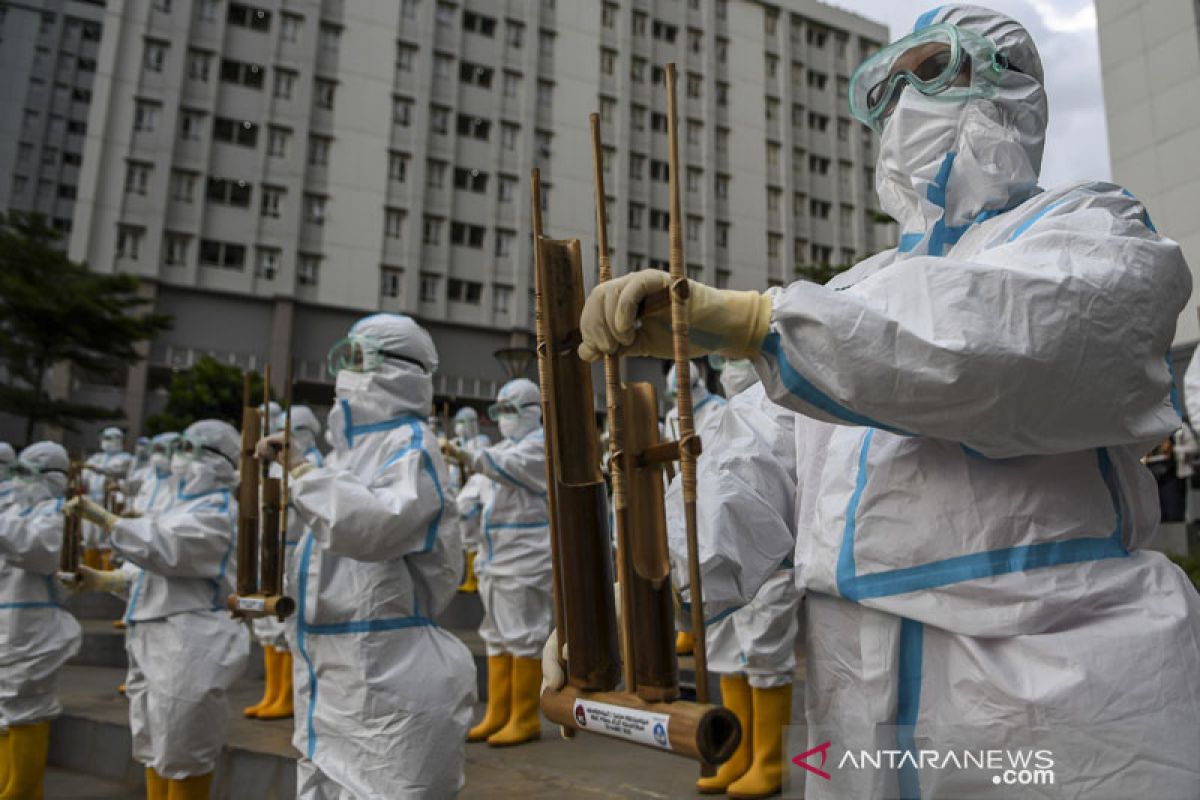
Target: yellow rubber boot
197,787
281,706
499,703
27,747
470,584
524,721
772,710
156,785
269,659
5,759
735,695
684,642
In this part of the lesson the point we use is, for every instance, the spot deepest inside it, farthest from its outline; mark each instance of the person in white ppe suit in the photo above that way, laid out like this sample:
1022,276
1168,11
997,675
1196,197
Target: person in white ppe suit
37,636
102,469
277,699
383,695
184,648
8,457
139,468
513,565
159,484
469,488
972,407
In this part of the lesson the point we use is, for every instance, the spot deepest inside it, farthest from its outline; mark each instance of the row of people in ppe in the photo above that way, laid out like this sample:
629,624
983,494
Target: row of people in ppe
104,475
971,407
467,437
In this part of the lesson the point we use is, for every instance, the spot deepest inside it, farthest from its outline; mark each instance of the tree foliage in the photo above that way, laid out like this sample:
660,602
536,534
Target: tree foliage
206,390
54,310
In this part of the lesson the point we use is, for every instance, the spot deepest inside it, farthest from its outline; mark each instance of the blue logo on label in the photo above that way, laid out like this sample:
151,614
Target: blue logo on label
660,734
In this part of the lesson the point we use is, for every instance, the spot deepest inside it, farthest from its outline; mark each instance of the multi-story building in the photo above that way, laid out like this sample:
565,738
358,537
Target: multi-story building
276,169
1150,62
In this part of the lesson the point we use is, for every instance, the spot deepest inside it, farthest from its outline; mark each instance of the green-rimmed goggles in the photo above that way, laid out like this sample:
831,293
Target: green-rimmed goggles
363,354
192,447
24,472
502,407
941,60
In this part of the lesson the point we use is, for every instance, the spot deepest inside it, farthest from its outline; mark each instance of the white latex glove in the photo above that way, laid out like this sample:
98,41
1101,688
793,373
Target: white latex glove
553,676
92,511
97,580
270,448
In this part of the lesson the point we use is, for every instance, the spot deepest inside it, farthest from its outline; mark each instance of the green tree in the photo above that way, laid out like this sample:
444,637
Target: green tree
54,310
206,390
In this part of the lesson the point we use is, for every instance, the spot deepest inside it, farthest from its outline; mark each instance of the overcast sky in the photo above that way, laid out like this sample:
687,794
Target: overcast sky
1065,32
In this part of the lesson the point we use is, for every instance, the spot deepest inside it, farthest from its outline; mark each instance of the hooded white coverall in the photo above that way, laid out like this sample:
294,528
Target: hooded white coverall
7,457
704,404
115,464
383,695
970,504
184,648
158,487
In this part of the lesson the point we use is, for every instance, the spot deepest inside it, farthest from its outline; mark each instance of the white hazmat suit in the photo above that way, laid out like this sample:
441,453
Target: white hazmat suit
704,403
158,486
111,464
7,458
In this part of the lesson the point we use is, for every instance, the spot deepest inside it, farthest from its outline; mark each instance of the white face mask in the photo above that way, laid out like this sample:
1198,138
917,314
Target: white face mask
110,446
509,424
460,430
179,464
350,383
915,141
160,462
738,376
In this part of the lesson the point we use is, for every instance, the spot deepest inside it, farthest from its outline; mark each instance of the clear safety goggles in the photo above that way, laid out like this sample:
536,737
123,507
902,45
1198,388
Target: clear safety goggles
191,448
502,407
363,354
942,61
163,448
24,472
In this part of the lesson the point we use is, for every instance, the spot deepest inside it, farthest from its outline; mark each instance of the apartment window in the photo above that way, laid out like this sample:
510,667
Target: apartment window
722,235
816,37
76,126
234,132
266,263
175,248
798,204
695,86
608,61
504,243
475,75
637,262
391,280
819,208
323,92
225,255
290,26
478,23
695,130
183,186
658,122
474,127
229,192
129,242
636,212
637,69
722,48
429,287
659,220
774,243
608,109
696,40
81,95
511,81
199,64
439,119
155,56
393,223
608,15
285,82
206,10
272,199
695,177
843,130
545,93
722,187
402,111
818,165
843,87
137,176
277,141
472,180
406,55
252,17
695,225
242,73
467,235
501,297
773,151
398,166
514,34
445,14
460,291
774,198
508,188
660,170
145,115
543,140
816,80
331,36
658,75
639,23
770,22
314,209
308,269
191,124
664,31
637,117
435,174
821,254
797,115
722,93
772,106
85,64
660,264
508,135
431,232
408,9
318,149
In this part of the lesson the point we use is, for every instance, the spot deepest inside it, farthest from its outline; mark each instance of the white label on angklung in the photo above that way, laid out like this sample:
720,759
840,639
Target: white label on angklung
251,604
643,727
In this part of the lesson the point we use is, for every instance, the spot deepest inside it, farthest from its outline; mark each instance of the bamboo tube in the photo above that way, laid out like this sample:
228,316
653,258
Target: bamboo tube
247,541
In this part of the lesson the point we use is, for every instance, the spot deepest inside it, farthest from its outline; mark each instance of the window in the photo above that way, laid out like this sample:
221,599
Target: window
722,46
474,127
722,92
658,263
608,15
431,231
637,117
435,174
773,152
398,166
608,109
772,66
508,135
266,264
290,26
314,209
816,80
145,115
770,22
85,64
636,211
511,82
206,10
272,199
471,180
393,223
660,170
199,64
429,287
285,82
722,187
608,61
723,235
242,73
460,291
391,280
504,243
251,17
469,235
408,9
445,14
722,141
546,43
821,253
406,55
843,130
543,139
331,36
277,141
658,75
637,69
639,23
695,178
137,175
76,126
816,38
695,130
659,220
664,31
229,192
696,40
439,119
175,248
191,124
234,132
545,93
318,149
774,198
514,34
695,86
722,281
478,23
402,111
154,56
818,165
772,106
81,95
819,208
501,297
183,186
323,92
308,269
225,255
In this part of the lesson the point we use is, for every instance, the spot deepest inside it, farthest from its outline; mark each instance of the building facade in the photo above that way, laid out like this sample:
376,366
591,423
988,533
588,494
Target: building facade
274,170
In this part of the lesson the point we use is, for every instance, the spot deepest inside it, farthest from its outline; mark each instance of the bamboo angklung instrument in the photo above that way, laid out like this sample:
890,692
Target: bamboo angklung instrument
644,713
72,543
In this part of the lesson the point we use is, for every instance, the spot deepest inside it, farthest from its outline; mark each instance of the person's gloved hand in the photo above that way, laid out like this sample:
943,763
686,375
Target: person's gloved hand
723,321
452,451
553,676
92,511
270,448
97,580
